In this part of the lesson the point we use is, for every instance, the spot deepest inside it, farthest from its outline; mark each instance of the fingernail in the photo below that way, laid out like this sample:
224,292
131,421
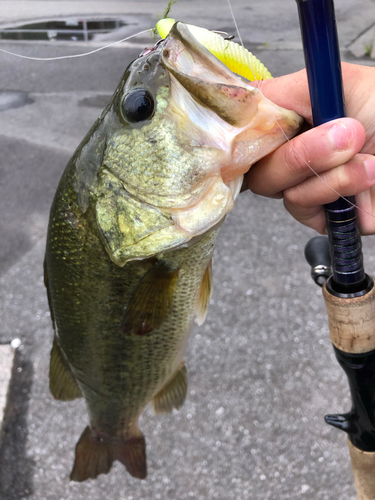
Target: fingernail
340,135
370,169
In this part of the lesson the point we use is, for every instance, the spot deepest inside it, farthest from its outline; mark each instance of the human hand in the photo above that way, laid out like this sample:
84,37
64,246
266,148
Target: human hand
341,152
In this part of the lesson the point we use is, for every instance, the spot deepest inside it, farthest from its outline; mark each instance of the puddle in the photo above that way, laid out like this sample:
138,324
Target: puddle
13,99
69,29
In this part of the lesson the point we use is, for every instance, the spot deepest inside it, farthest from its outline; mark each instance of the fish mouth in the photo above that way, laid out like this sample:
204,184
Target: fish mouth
214,85
206,78
226,111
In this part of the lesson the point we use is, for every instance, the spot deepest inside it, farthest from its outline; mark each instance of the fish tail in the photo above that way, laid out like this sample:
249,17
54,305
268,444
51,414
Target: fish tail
95,455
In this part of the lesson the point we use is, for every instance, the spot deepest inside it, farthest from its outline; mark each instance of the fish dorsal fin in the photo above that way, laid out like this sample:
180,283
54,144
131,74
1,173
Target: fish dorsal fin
173,394
62,384
205,294
152,301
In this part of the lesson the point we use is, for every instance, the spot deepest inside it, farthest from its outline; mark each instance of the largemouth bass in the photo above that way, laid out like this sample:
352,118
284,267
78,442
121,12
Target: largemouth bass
131,235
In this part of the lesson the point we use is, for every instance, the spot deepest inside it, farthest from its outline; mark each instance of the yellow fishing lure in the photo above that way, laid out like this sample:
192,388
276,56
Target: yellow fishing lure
236,58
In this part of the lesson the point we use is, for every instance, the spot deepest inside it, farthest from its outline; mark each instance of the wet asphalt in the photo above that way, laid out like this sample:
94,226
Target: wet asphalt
262,372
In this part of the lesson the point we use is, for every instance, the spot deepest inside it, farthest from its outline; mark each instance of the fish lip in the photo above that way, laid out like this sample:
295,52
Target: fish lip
181,33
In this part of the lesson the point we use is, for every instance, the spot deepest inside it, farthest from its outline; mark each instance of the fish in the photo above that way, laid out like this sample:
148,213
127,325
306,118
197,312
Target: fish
131,235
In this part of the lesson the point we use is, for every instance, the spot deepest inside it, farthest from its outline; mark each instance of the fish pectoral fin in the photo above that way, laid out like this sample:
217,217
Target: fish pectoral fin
173,394
62,384
151,302
205,294
95,455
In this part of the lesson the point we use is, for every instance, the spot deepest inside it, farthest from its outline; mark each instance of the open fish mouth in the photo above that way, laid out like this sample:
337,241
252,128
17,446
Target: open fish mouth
206,78
246,123
212,84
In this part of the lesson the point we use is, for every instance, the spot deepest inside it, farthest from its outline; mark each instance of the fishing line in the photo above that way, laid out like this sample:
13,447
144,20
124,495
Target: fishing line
238,32
75,55
286,137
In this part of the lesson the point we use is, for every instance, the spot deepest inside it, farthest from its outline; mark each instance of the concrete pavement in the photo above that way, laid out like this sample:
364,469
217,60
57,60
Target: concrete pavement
261,369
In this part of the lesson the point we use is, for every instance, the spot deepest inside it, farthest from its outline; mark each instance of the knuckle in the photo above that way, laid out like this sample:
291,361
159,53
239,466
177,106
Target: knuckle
252,182
297,157
343,179
292,196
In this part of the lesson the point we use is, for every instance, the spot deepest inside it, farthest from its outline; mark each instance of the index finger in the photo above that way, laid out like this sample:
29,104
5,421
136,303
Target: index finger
317,150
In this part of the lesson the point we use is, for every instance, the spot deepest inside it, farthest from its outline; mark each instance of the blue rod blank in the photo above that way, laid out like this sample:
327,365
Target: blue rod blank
323,66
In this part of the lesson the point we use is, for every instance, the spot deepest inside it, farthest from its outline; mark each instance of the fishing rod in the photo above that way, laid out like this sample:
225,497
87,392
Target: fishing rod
337,263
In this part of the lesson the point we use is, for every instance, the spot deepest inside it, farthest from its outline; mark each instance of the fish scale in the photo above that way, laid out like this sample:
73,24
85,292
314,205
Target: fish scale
131,364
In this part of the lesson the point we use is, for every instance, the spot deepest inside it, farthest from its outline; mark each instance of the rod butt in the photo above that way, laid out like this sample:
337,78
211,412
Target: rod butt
363,465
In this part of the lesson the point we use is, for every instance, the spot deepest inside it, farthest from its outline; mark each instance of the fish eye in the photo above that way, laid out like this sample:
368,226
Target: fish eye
137,105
